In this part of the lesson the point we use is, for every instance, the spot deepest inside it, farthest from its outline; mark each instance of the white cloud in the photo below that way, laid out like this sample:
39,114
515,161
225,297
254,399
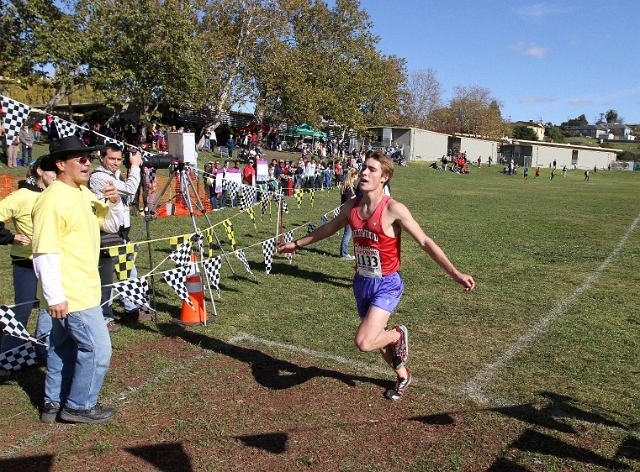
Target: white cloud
580,103
534,99
531,99
529,49
538,10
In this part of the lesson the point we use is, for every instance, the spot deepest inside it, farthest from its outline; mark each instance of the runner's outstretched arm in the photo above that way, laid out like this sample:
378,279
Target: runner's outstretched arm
403,217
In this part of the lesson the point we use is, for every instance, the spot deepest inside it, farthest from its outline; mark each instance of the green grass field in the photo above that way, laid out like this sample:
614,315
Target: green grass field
539,365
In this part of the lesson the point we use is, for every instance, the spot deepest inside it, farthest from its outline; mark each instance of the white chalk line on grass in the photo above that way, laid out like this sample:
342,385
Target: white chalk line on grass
474,386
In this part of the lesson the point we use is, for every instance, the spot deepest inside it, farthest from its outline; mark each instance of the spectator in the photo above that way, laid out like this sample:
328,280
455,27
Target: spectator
27,139
17,206
348,193
108,174
230,145
66,223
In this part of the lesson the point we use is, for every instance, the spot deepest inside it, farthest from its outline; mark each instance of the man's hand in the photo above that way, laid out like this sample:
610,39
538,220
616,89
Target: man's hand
287,248
21,240
135,159
59,311
110,192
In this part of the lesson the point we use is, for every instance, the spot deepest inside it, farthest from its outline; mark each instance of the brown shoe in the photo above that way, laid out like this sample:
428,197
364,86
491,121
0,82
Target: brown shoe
113,327
137,315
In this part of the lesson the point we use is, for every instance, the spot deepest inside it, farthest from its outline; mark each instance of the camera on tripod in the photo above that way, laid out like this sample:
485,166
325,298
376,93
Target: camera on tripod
182,150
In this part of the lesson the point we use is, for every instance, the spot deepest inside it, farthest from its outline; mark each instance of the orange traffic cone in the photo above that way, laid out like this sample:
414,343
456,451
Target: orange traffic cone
197,315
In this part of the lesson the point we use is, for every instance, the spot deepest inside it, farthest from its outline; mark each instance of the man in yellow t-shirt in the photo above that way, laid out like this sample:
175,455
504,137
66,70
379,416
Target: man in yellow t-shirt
67,218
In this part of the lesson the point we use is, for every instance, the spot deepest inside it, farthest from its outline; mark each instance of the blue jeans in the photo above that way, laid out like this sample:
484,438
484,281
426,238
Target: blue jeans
79,356
105,269
207,144
214,201
26,155
344,245
24,289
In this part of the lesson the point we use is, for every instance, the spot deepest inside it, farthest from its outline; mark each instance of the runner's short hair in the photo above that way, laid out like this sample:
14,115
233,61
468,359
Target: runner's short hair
386,165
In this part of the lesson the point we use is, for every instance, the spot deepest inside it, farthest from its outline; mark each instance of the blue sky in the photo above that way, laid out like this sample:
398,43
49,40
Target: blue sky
542,60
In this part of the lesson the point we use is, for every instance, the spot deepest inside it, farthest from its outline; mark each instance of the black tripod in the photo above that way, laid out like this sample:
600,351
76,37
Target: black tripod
187,186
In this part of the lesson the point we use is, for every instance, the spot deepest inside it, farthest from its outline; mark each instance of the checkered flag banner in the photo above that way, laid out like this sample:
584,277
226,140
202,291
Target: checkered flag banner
268,248
15,114
12,327
298,195
182,256
324,220
175,279
176,241
126,255
208,235
198,238
312,195
228,227
288,237
212,269
14,359
281,198
311,228
240,255
135,290
336,211
252,215
266,202
230,186
248,194
65,128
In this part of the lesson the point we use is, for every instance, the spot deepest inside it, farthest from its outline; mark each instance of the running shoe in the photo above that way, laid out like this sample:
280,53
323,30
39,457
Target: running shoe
401,385
401,347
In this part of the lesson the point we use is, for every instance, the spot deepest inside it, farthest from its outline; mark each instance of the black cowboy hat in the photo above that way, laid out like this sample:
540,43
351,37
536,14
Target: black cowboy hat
60,150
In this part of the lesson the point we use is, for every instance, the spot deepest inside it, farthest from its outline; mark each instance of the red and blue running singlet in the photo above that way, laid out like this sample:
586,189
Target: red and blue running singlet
376,253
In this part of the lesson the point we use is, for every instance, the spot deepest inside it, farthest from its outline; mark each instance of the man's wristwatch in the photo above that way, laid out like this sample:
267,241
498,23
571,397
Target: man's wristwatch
297,245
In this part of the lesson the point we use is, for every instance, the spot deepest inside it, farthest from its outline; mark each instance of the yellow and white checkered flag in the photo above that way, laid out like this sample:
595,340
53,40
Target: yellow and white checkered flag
298,193
176,241
126,255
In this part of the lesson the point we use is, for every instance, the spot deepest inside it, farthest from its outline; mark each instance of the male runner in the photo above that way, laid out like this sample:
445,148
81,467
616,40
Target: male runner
377,222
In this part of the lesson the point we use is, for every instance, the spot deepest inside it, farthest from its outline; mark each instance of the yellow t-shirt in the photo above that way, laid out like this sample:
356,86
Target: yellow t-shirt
67,221
18,206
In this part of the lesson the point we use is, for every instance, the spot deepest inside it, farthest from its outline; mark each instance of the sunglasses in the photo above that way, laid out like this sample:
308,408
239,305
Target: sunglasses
83,159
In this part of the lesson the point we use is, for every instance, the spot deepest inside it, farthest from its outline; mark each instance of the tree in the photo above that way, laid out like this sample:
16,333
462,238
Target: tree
477,112
37,34
524,132
580,121
443,120
612,116
421,95
554,133
145,52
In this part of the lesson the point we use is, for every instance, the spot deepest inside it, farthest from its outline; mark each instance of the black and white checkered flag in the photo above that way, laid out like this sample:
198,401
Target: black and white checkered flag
240,255
336,211
135,290
248,194
182,255
265,202
199,240
288,237
15,114
212,268
278,198
324,220
230,186
175,279
17,357
12,327
310,228
65,128
268,248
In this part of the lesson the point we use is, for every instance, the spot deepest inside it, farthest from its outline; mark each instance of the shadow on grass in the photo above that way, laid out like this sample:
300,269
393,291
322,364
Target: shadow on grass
439,419
538,443
166,457
272,373
28,464
504,465
275,443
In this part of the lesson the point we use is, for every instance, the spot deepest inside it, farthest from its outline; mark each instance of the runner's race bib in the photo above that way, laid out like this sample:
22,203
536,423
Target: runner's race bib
368,261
